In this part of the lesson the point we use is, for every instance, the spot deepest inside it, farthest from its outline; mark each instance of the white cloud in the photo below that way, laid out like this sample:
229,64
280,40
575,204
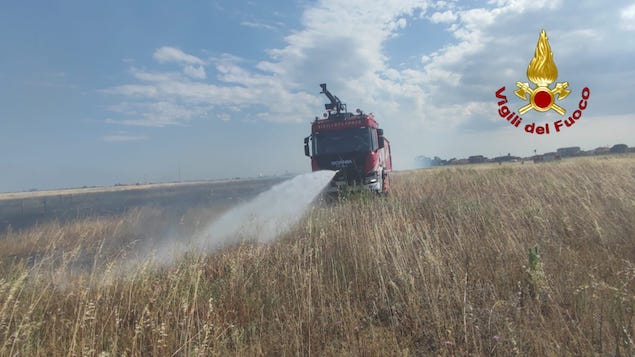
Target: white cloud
443,17
257,25
174,55
446,92
350,59
194,72
627,16
154,76
156,113
123,137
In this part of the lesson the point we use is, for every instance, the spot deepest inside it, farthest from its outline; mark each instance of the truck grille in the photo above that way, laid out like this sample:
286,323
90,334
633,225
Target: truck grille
351,175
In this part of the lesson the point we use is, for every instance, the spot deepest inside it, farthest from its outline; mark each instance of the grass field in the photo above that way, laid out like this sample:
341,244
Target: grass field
533,259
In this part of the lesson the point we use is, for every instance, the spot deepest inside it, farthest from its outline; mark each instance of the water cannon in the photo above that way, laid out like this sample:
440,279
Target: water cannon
335,104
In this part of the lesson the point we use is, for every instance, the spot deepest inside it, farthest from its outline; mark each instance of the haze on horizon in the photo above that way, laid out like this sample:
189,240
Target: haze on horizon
98,94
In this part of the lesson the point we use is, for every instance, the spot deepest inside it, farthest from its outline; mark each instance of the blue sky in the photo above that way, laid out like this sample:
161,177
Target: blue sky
125,92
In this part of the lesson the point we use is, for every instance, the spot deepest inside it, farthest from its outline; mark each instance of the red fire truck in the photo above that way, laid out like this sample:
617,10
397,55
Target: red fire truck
351,144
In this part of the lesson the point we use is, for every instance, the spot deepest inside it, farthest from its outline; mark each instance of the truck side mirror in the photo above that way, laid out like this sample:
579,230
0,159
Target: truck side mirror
306,146
380,138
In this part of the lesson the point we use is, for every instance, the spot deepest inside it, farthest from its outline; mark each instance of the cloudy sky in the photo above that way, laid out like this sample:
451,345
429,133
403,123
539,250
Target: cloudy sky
124,92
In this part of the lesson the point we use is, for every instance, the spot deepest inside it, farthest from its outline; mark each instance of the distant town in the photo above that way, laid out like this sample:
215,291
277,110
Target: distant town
572,151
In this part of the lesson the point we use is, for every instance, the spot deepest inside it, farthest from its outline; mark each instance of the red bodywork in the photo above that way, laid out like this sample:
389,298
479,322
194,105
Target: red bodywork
351,144
375,161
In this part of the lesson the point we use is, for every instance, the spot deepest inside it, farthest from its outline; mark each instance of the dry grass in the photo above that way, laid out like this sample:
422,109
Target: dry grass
441,267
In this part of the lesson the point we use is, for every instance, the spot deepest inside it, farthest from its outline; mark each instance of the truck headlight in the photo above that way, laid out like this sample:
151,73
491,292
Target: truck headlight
372,178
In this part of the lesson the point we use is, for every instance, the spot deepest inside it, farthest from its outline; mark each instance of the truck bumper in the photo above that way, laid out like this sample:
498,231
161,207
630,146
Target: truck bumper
340,186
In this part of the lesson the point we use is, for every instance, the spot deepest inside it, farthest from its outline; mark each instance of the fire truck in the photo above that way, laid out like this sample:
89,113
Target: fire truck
351,144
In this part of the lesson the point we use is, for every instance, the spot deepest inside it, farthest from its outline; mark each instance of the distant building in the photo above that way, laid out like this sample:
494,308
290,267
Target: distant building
602,150
476,159
569,151
507,158
550,156
619,148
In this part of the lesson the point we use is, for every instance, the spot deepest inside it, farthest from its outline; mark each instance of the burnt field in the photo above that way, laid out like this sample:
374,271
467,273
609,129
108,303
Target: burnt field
24,210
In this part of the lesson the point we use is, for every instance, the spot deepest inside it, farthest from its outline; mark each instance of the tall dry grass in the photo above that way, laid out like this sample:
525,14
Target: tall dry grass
485,260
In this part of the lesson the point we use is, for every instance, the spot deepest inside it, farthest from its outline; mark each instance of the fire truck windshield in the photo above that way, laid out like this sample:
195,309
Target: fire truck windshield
342,141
